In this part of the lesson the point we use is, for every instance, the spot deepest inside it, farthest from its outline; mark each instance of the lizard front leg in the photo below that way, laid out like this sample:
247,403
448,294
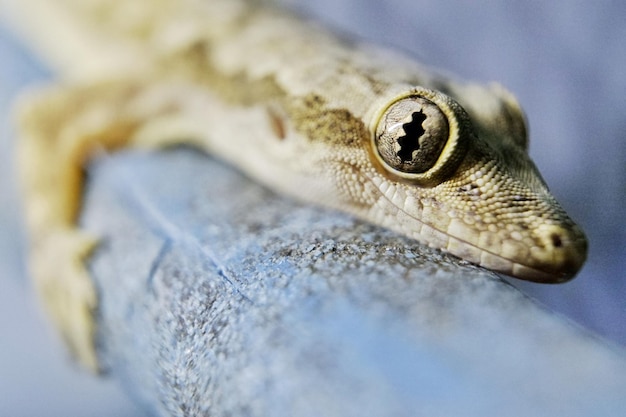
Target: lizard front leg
61,128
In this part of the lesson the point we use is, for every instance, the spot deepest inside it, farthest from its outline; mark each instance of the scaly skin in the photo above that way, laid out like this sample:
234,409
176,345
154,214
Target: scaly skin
340,123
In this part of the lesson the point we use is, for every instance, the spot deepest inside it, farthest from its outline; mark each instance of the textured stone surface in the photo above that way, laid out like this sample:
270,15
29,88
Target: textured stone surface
256,305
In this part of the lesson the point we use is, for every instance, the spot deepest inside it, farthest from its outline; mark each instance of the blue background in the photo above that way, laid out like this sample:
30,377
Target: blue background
565,62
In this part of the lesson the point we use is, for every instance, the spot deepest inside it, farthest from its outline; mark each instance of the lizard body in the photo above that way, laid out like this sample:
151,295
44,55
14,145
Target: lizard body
324,119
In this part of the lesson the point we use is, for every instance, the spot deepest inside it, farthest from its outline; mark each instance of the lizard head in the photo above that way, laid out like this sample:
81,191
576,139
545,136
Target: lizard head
461,180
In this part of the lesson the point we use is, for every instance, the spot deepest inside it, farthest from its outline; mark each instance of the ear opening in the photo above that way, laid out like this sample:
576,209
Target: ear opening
511,117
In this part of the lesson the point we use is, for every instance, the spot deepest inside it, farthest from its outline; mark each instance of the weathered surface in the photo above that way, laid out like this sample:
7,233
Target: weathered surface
255,305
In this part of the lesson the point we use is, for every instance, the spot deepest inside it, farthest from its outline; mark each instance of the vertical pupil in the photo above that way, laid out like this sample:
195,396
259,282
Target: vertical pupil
413,130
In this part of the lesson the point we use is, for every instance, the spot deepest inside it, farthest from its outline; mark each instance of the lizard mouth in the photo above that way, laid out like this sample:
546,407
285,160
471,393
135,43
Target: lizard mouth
556,258
551,253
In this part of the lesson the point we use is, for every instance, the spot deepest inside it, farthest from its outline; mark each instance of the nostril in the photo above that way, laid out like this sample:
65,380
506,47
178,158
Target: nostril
560,251
557,242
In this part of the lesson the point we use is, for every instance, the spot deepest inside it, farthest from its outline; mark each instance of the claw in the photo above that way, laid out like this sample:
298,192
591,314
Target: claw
66,289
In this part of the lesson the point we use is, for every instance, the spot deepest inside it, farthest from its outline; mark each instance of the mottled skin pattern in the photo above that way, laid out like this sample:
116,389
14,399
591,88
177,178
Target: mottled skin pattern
292,106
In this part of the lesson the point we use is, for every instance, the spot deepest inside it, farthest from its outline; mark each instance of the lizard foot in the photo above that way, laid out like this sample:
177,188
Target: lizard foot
64,285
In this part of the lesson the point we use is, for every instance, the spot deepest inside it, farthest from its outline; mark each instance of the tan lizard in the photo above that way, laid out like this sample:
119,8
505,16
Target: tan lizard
336,122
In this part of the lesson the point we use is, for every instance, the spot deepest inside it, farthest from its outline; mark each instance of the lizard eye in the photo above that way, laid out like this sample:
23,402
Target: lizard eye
422,136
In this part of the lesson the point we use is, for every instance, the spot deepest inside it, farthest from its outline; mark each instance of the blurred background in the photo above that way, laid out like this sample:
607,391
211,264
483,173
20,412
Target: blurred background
564,60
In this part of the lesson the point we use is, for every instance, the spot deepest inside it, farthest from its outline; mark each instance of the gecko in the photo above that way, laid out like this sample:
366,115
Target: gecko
320,117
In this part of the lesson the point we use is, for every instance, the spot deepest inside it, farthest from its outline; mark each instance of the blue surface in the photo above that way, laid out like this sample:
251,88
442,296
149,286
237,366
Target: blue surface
563,60
257,305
